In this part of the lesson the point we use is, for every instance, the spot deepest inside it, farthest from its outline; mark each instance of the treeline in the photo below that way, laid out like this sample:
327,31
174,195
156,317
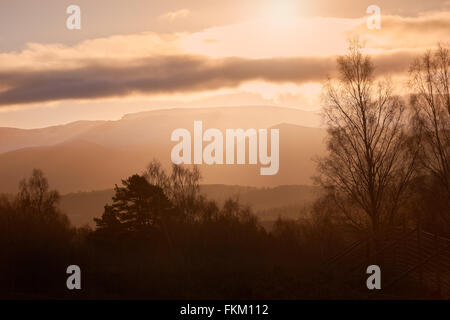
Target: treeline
159,238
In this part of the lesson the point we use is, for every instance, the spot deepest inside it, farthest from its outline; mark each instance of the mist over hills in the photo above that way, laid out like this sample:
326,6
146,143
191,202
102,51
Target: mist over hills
267,203
152,126
13,138
94,155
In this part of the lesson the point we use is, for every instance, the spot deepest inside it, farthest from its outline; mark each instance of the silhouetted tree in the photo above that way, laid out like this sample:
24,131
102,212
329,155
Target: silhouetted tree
136,206
429,82
181,186
367,168
36,237
35,196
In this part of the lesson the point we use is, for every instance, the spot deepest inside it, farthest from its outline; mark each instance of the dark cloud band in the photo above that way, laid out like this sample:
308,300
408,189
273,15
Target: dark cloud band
168,74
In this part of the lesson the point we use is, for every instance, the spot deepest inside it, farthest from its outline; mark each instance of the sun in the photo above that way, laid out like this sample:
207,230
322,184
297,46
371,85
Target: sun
281,12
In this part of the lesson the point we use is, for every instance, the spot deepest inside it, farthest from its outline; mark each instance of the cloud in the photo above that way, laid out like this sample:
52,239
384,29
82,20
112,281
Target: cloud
173,15
104,78
218,58
407,32
37,56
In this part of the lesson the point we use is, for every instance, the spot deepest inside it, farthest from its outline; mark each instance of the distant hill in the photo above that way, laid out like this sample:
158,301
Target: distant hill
14,139
99,156
268,203
72,166
151,127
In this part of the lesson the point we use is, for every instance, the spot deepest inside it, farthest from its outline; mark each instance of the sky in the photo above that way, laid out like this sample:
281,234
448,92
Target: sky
137,55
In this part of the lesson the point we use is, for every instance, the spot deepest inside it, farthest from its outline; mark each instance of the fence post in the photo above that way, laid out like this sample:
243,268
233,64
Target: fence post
395,249
438,270
368,242
419,245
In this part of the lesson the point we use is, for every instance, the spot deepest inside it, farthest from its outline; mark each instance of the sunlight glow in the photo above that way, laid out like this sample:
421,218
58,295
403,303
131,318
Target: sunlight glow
281,12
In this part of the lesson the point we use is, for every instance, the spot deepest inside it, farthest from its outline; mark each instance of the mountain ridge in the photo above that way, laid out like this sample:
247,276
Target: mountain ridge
98,157
218,117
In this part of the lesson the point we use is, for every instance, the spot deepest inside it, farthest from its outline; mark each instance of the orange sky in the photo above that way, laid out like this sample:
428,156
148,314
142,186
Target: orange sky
137,55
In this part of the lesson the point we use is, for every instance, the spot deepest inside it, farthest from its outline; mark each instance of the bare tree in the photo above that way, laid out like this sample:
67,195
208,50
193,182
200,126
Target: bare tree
429,81
35,196
368,166
181,185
